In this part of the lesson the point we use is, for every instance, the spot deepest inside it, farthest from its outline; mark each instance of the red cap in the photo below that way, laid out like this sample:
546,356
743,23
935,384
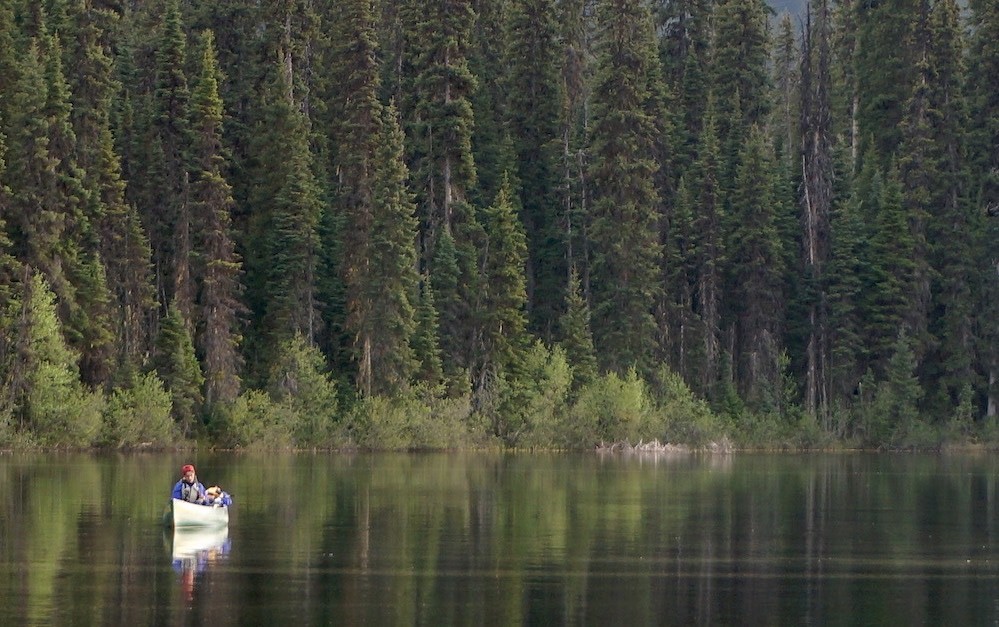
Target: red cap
186,468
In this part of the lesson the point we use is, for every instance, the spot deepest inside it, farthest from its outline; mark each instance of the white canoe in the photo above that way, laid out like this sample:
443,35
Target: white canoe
184,514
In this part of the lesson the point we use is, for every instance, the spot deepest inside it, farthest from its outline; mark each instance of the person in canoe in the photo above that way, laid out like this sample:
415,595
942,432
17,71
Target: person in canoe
217,497
189,488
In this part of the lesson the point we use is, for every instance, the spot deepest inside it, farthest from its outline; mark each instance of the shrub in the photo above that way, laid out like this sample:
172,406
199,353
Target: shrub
300,384
253,421
686,419
609,409
539,400
138,414
60,410
409,422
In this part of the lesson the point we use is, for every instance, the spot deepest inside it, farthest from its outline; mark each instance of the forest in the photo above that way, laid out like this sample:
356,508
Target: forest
444,224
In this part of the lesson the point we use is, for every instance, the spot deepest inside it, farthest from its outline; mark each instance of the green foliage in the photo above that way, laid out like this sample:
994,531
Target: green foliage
179,370
686,419
613,408
532,404
138,415
528,188
300,385
408,422
892,417
383,280
57,409
577,336
534,94
503,321
623,229
219,266
253,421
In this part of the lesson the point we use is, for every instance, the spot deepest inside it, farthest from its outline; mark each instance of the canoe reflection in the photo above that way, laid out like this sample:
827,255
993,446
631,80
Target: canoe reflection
193,550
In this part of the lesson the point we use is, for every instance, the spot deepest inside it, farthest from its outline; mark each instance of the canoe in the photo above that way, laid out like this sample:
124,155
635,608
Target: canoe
184,514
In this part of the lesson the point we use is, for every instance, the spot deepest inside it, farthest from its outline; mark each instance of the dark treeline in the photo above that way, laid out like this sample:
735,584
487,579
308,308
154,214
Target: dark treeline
399,223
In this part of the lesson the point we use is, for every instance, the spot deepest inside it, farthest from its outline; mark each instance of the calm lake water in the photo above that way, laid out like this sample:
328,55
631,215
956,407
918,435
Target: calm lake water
491,539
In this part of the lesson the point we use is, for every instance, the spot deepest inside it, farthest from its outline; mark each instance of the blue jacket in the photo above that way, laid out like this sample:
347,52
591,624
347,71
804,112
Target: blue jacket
193,492
223,500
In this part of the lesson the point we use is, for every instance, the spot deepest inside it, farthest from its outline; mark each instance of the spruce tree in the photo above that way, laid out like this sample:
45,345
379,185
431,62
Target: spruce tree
166,199
443,173
388,284
685,339
51,230
425,342
883,62
219,267
492,148
178,368
49,401
707,249
983,65
624,223
504,302
684,47
123,246
534,97
888,297
576,73
953,230
378,261
577,337
285,245
754,261
849,274
739,63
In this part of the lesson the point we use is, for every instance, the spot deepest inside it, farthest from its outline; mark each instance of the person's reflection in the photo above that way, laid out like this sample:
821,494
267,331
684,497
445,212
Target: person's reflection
194,550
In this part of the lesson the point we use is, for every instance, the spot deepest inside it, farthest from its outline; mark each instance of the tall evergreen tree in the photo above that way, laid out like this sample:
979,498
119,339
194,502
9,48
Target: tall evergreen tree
577,337
425,341
754,260
285,241
684,47
624,221
534,96
504,303
123,246
685,341
573,188
443,168
52,232
888,298
883,65
50,403
166,199
984,64
849,274
178,368
741,50
378,263
624,225
492,148
708,249
388,283
954,232
218,267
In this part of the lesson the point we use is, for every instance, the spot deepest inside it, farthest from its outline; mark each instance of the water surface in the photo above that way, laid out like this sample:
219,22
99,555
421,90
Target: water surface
491,539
